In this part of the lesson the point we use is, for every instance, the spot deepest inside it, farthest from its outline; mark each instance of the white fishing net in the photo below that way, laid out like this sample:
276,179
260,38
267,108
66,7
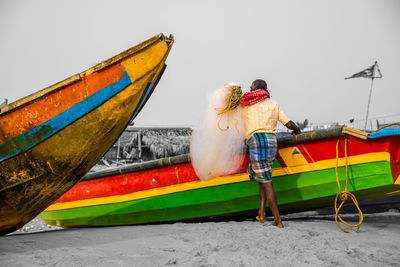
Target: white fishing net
217,146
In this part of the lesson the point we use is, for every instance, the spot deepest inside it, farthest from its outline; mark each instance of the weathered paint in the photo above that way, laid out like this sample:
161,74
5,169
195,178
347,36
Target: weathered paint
29,139
34,178
34,113
142,99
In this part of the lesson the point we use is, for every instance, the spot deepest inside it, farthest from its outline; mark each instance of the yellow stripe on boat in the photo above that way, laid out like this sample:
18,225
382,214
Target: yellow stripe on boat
321,165
331,163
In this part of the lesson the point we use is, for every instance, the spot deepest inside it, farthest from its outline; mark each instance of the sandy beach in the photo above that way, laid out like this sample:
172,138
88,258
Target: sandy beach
311,241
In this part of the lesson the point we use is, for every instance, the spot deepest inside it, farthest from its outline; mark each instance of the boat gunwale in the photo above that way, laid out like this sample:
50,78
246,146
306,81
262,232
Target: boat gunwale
77,77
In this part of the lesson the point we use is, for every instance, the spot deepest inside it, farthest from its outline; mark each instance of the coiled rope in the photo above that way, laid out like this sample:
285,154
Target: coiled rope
343,195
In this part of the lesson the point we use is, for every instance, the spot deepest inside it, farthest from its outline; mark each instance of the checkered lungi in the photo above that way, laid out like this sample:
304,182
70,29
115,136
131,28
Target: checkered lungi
262,151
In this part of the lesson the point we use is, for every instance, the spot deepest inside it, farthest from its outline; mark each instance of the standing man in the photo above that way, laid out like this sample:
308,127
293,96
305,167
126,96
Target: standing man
261,117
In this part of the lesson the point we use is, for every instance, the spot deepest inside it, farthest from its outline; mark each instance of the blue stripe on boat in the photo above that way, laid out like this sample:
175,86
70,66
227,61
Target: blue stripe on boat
27,140
384,132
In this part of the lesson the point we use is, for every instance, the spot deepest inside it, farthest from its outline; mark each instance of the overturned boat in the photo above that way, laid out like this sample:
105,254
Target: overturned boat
168,190
49,140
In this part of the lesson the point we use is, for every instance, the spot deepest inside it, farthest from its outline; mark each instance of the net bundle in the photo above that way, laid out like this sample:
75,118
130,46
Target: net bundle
217,149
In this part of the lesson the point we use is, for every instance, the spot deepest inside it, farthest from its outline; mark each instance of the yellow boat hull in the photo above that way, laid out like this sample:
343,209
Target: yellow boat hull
41,164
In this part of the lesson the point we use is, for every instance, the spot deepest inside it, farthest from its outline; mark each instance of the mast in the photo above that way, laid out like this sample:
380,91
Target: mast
369,101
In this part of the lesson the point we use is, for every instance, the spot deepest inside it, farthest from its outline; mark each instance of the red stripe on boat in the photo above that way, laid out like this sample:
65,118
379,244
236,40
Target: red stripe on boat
183,173
131,182
54,103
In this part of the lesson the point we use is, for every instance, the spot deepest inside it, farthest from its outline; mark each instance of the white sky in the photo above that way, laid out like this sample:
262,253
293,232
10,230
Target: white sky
303,49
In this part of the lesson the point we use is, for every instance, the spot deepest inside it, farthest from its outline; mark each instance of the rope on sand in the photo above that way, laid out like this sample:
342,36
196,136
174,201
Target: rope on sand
343,195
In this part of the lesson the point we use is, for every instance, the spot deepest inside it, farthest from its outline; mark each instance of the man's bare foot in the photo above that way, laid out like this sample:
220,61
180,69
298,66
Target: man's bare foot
277,224
260,219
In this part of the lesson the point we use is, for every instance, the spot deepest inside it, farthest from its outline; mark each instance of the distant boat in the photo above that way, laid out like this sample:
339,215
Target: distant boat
168,190
49,140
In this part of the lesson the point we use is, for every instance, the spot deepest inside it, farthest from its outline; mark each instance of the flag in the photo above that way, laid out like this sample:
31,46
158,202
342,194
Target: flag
371,72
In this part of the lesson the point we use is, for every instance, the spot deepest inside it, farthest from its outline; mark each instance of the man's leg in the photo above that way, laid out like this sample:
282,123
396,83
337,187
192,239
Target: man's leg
263,201
273,204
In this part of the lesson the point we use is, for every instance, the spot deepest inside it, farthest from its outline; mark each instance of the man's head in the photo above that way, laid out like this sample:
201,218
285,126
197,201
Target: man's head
258,84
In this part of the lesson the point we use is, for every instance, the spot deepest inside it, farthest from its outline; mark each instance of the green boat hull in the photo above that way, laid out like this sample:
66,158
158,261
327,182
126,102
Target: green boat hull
295,192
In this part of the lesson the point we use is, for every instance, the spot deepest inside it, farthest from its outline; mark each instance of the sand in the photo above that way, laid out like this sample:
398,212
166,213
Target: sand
305,241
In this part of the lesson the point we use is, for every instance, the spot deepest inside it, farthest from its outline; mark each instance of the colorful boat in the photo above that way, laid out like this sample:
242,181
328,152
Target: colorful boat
168,190
51,139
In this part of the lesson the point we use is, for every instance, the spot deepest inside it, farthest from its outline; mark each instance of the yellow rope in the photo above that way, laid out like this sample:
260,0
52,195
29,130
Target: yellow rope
387,125
233,101
344,195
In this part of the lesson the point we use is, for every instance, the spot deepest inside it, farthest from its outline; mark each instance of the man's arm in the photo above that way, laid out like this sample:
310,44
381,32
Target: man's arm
292,126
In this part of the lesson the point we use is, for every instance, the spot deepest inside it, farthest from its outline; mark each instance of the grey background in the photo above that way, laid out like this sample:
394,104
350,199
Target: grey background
304,49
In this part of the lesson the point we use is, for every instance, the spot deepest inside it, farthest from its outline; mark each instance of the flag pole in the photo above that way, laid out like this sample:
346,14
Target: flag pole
368,73
369,100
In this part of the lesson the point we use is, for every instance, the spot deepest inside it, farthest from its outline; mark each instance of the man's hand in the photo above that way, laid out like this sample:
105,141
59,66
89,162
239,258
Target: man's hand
292,126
